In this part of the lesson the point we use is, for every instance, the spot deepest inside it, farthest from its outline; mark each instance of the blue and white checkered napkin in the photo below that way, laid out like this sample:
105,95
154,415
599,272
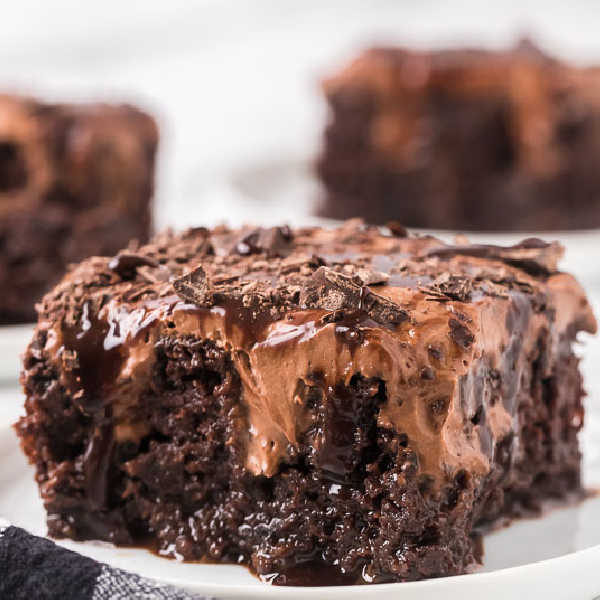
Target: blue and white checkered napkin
32,567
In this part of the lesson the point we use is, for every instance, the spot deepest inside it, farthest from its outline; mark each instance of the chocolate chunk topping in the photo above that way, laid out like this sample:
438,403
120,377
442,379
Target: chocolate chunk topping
460,334
250,303
397,229
333,291
427,373
372,277
125,265
274,241
454,287
193,288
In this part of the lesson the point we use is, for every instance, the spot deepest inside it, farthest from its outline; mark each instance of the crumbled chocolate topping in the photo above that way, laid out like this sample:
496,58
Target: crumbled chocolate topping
193,288
333,291
337,269
397,229
275,241
125,265
454,287
461,334
533,256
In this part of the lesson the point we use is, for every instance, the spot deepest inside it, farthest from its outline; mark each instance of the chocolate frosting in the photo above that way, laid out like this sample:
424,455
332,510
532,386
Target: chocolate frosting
448,329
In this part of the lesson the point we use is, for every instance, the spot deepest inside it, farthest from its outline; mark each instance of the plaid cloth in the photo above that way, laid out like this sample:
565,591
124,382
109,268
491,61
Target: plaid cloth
35,568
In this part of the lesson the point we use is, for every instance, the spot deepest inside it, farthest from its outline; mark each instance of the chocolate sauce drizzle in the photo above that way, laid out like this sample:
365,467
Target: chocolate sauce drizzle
94,370
95,367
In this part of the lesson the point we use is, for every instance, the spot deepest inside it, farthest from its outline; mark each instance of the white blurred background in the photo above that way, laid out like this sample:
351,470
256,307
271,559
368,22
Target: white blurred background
235,83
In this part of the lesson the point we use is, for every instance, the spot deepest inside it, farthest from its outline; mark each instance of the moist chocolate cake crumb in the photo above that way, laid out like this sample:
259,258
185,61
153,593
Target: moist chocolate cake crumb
461,334
309,408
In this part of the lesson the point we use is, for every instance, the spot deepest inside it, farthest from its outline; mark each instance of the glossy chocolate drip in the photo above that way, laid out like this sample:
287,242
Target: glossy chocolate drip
95,367
344,419
517,321
349,328
310,572
97,463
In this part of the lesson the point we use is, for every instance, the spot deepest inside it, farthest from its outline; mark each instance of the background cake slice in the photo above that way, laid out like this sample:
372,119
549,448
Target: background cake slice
325,406
463,139
75,181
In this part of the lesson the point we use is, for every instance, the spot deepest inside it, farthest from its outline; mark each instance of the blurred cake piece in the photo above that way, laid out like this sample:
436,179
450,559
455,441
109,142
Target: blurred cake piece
75,181
464,139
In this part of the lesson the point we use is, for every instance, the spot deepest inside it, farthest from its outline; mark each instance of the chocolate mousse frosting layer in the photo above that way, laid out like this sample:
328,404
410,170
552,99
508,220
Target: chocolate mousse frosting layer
445,336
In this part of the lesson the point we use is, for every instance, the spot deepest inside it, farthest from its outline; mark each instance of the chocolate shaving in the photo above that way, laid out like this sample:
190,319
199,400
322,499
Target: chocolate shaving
194,288
460,334
532,255
454,287
372,277
274,241
333,291
397,229
252,300
125,265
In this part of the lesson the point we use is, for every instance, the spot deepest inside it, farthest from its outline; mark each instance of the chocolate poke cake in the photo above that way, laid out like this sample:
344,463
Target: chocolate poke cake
75,181
463,139
324,406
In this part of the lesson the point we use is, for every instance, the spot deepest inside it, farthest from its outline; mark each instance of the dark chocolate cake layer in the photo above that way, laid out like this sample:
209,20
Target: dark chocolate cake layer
75,181
325,406
464,139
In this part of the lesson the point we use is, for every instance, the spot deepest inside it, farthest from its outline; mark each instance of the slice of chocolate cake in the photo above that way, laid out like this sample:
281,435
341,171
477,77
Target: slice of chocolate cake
325,406
464,139
75,181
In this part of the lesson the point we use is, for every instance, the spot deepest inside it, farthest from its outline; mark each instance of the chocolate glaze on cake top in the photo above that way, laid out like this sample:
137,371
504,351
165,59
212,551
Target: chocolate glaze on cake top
308,309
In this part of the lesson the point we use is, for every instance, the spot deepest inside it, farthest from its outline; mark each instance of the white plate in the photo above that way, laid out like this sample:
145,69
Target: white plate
555,557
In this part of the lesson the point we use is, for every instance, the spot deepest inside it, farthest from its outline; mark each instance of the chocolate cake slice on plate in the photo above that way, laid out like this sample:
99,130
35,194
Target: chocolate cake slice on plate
324,406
